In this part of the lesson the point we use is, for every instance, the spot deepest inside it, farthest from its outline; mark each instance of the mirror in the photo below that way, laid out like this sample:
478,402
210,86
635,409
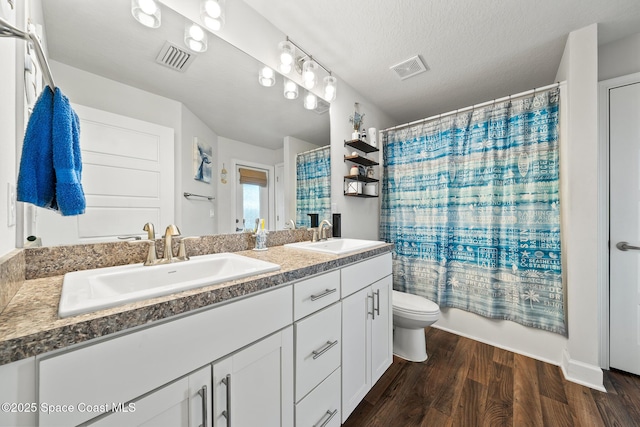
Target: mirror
219,91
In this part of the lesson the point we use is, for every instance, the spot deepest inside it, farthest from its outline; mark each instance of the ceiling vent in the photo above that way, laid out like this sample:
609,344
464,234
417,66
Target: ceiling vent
323,106
409,68
173,57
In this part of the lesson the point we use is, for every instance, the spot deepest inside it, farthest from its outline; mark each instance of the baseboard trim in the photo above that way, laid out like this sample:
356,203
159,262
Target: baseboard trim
582,373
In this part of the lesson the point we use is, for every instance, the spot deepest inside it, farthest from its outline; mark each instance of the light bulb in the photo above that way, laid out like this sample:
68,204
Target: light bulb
284,69
195,37
213,8
287,53
196,32
290,89
146,12
330,88
309,70
266,77
148,6
211,23
310,101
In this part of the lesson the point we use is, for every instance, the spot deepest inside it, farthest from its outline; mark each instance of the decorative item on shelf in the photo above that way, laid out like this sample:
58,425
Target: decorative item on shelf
354,170
356,119
370,172
363,135
354,187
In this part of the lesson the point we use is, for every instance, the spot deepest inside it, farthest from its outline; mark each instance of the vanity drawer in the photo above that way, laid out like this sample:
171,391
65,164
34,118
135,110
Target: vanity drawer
322,404
357,276
313,294
318,348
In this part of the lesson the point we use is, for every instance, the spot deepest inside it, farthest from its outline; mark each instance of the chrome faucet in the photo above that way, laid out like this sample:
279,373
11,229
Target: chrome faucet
172,230
323,229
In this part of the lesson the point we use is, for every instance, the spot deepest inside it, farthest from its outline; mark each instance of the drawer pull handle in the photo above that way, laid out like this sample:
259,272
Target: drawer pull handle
324,349
331,415
203,394
227,414
378,304
324,294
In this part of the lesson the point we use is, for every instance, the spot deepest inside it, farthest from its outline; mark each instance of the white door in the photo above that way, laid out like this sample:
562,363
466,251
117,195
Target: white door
254,387
183,403
381,329
356,344
624,131
127,177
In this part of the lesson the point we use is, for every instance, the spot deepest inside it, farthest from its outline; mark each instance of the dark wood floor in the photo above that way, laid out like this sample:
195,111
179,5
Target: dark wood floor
468,383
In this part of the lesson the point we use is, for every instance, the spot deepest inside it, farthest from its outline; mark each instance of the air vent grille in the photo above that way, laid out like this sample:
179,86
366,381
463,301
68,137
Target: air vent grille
409,68
175,58
323,106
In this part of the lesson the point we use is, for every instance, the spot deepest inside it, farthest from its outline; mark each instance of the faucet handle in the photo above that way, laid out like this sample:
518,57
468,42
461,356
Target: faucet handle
182,249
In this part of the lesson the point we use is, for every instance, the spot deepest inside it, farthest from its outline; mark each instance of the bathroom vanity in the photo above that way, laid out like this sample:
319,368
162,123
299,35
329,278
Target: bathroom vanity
300,346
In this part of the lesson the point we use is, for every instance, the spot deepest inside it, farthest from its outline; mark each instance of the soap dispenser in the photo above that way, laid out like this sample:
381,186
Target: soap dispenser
314,220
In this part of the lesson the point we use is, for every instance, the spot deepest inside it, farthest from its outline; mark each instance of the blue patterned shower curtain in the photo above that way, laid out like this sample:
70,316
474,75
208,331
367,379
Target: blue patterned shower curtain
471,202
313,185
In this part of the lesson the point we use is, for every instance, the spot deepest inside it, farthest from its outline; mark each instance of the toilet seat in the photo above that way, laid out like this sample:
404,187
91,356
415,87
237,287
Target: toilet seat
404,303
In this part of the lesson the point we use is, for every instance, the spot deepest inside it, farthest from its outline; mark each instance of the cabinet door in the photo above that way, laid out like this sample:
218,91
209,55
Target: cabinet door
381,329
183,403
254,387
356,360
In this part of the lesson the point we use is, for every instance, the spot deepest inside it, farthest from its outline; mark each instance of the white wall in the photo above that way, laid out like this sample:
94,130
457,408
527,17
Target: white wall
579,67
8,168
196,216
292,146
228,150
619,58
360,216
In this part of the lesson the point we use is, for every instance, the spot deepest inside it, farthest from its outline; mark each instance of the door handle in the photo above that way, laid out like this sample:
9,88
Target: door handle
324,349
624,246
227,413
203,394
324,294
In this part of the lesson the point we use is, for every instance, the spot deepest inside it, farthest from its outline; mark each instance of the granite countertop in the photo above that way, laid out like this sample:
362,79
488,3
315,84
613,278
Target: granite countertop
30,325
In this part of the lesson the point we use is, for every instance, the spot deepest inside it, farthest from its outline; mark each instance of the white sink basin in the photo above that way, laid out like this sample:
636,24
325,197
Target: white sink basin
336,246
91,290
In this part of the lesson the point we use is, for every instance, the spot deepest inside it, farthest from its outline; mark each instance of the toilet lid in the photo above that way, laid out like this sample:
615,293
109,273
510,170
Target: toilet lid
413,303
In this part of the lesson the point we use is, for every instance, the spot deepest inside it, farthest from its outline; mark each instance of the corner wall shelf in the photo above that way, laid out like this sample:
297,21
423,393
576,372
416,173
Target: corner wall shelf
358,159
360,178
359,144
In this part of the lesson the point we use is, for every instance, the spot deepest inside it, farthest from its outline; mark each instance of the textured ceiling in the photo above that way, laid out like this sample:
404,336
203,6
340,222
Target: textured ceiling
476,50
220,86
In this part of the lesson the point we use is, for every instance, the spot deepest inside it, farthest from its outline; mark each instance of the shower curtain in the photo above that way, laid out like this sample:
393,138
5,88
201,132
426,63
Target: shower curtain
313,185
471,202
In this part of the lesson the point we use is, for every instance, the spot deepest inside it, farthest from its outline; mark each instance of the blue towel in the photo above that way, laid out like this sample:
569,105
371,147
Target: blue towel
51,166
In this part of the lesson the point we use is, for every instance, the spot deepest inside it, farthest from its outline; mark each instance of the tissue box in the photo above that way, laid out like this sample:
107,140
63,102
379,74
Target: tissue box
353,187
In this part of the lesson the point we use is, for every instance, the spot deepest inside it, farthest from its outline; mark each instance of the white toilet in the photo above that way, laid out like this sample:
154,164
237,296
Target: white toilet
411,314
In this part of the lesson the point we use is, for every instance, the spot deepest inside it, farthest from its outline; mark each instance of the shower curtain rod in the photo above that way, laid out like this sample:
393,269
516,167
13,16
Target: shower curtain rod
473,107
315,149
8,30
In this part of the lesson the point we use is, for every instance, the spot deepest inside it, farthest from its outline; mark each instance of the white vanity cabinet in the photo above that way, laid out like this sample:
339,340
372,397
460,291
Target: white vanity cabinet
130,365
254,387
185,402
367,341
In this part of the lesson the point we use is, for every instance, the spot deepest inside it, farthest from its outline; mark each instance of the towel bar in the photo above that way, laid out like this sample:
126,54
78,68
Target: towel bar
188,195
